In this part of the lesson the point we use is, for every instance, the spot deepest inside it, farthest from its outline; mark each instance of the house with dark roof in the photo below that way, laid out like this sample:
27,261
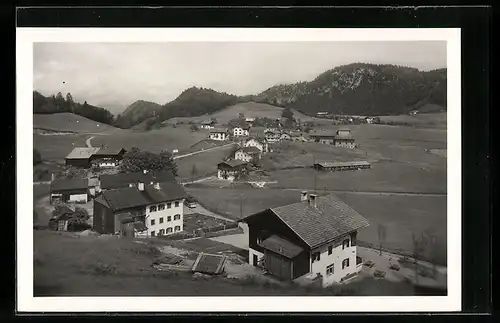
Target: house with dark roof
69,190
343,138
241,131
121,180
231,169
313,237
207,124
219,134
260,144
158,207
247,154
80,157
342,166
323,137
107,157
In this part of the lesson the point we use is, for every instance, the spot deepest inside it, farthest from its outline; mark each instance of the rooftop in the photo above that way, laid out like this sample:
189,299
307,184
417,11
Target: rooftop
82,153
218,130
130,197
108,151
330,219
281,246
64,184
207,122
233,163
209,264
341,164
111,181
250,150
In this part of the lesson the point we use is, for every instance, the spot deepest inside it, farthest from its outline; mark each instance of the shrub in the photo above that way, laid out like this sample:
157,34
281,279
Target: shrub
37,157
81,213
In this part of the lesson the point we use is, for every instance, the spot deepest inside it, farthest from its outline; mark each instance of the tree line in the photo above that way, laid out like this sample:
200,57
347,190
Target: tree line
59,104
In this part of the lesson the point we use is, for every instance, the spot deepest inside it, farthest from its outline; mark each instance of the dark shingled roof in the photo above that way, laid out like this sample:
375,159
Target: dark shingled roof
330,219
130,197
218,130
323,134
68,184
108,151
124,179
233,163
209,264
281,246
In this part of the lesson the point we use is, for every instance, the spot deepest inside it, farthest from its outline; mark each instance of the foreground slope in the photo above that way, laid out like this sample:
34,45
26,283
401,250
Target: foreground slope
69,122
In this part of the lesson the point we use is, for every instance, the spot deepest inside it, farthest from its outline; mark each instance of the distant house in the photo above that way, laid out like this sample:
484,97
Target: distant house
262,145
158,207
69,190
343,138
80,157
297,136
247,154
59,222
122,180
241,131
340,166
369,120
219,134
230,170
272,135
323,138
322,114
413,112
107,157
315,236
250,121
207,124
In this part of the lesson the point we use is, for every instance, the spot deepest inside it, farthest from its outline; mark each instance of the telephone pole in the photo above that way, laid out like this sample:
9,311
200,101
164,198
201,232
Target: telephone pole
314,170
241,206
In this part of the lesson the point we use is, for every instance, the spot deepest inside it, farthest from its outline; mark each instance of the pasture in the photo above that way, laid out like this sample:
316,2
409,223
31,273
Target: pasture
56,148
205,163
428,120
69,122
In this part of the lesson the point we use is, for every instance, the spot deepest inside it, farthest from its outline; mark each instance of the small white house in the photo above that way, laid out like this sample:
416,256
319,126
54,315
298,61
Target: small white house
241,131
247,154
259,144
218,134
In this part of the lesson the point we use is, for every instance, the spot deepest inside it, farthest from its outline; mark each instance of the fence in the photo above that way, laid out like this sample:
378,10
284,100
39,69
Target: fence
202,232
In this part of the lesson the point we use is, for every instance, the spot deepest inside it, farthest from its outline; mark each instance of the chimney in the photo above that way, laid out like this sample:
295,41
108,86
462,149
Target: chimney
157,186
312,200
52,177
140,186
303,196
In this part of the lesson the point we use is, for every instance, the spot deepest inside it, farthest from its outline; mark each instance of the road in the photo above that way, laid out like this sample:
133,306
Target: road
202,151
87,142
368,192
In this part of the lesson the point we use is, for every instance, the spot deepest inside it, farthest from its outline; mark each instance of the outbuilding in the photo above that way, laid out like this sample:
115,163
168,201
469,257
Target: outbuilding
69,190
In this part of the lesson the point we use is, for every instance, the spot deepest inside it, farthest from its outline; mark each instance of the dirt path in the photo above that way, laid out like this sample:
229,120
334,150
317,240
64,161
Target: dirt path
203,151
87,142
198,180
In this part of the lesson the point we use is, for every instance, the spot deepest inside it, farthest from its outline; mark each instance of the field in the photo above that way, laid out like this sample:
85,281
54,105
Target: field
56,148
433,120
205,163
69,122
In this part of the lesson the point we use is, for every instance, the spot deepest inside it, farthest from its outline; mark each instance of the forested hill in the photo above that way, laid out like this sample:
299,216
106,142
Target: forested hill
59,104
137,112
362,89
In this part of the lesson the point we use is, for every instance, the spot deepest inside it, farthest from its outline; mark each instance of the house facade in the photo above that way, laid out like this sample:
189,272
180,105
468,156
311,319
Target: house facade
247,154
157,207
327,139
207,124
259,144
219,134
272,135
80,157
241,131
69,191
316,236
230,170
344,139
107,157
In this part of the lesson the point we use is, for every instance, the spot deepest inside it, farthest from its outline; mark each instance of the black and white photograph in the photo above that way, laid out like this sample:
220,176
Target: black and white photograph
262,164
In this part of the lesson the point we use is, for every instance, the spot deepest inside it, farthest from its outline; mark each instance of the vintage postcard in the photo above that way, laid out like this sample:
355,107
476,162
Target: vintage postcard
283,170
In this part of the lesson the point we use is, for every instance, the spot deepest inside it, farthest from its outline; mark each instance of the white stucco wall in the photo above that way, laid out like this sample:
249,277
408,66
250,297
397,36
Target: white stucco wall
218,136
251,253
254,143
336,258
78,198
165,213
240,155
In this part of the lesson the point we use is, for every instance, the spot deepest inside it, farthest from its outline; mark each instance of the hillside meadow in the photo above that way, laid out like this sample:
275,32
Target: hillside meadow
69,122
204,163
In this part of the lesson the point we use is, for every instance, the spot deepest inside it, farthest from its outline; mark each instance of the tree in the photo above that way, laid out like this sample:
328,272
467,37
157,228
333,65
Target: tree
70,102
137,160
419,246
37,157
287,114
241,115
381,236
81,213
194,171
194,127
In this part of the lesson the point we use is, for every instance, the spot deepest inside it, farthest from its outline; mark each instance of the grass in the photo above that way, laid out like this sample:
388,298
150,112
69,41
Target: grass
431,120
191,222
56,148
40,190
69,122
205,163
65,265
401,215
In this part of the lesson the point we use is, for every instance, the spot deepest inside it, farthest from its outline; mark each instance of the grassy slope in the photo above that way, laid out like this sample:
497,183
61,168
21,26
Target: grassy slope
205,163
88,266
69,122
436,120
56,148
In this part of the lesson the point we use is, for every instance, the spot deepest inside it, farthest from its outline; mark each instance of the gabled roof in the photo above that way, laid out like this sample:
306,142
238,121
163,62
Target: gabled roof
108,151
329,220
131,197
342,164
82,153
233,163
259,140
322,134
281,246
111,181
63,184
209,264
218,130
250,150
207,122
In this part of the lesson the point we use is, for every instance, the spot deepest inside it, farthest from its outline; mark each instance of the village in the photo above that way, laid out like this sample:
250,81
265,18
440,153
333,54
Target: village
310,242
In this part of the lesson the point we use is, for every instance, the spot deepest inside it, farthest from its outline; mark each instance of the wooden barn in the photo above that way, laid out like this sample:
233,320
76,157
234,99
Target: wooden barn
341,166
69,190
80,157
107,157
231,169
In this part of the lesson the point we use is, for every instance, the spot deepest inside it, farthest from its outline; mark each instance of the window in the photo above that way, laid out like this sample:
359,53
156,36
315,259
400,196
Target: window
152,222
152,208
329,270
169,218
177,217
345,263
315,256
345,244
161,207
161,220
162,232
330,250
259,240
177,228
169,205
152,233
169,230
176,203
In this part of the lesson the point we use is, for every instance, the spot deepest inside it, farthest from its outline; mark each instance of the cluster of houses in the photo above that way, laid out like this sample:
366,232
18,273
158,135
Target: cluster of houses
344,119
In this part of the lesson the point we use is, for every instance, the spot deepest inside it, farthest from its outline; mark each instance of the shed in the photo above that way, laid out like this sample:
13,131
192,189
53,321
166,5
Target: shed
69,190
279,257
209,264
340,166
80,157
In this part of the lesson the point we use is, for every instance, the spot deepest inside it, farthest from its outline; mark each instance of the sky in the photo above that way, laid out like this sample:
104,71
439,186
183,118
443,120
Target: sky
114,75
